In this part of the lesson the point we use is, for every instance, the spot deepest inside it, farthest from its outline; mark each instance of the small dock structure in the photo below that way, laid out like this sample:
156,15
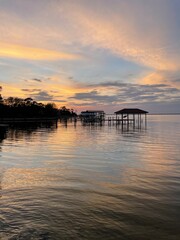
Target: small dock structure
129,117
91,116
126,118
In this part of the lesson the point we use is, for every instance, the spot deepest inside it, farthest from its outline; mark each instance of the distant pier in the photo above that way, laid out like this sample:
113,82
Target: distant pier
126,118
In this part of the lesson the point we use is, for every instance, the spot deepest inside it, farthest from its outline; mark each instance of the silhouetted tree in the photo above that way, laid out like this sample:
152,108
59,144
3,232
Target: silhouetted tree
1,99
51,110
66,112
19,107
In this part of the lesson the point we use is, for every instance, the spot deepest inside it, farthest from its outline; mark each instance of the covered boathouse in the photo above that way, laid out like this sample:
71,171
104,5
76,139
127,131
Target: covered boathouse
131,116
92,116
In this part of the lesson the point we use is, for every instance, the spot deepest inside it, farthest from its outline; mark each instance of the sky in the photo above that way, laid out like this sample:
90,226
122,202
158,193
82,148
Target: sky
98,54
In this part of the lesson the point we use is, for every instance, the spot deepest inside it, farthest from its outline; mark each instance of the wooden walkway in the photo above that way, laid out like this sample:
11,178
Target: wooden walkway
125,122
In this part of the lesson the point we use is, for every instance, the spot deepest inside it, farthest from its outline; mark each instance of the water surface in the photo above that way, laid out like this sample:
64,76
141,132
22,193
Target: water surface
91,182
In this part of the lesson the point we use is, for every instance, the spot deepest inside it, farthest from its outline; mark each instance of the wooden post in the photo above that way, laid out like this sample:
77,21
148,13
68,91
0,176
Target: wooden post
127,121
145,120
122,121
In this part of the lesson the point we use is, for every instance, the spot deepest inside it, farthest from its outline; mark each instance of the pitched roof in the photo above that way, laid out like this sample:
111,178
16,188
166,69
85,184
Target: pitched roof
131,111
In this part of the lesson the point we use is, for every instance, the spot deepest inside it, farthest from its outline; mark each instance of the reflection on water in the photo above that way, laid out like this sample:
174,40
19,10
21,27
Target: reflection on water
90,182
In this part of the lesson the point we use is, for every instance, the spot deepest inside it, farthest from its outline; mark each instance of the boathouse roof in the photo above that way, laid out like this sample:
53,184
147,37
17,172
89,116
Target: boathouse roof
131,111
93,111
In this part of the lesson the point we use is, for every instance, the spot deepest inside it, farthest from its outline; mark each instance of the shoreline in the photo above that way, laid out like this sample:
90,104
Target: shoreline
23,119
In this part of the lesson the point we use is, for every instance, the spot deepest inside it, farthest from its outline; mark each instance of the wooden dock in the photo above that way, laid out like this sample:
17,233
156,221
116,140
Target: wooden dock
126,122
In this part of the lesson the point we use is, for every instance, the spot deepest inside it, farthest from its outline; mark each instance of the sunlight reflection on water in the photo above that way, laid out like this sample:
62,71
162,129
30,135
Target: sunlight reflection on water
91,182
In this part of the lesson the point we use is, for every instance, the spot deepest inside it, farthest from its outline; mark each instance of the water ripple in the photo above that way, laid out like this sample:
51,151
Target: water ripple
91,182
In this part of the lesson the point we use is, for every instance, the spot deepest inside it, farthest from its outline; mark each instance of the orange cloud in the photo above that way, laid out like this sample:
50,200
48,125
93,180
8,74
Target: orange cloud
153,78
23,52
123,36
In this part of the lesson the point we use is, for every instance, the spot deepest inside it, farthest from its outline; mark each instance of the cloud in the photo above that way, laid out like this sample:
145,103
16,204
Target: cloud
129,29
88,105
42,96
124,85
118,37
33,80
95,96
31,90
29,53
176,80
59,101
36,80
143,33
109,84
127,93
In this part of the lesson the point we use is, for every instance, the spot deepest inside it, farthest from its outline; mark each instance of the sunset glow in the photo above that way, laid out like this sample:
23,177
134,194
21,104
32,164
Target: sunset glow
21,52
104,54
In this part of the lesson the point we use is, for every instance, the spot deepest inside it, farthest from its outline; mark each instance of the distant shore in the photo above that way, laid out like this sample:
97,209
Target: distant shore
164,114
154,114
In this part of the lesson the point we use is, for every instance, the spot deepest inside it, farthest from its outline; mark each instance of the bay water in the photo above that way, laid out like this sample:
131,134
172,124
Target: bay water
69,181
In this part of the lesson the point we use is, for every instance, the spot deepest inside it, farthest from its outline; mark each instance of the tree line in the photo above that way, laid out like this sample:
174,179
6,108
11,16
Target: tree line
29,108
